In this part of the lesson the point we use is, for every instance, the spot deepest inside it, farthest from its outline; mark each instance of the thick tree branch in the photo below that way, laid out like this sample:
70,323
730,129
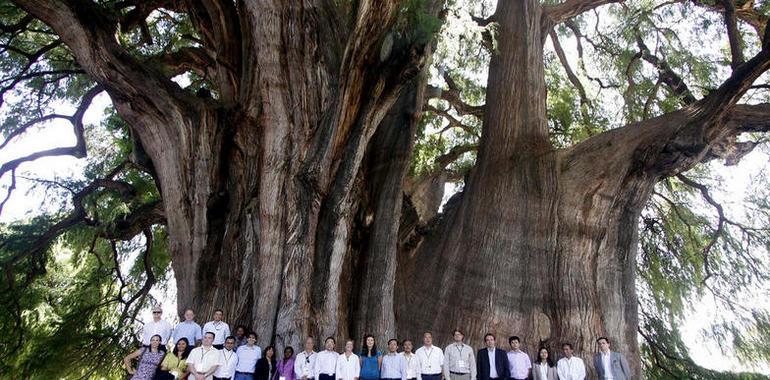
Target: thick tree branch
89,32
219,24
669,144
456,152
20,25
452,96
558,13
188,58
666,74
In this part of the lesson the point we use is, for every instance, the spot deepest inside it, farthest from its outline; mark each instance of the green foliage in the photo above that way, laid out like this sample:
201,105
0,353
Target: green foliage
75,295
417,22
685,256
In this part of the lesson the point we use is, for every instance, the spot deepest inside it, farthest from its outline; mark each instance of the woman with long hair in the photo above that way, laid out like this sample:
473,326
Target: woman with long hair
174,365
371,359
149,359
542,366
266,365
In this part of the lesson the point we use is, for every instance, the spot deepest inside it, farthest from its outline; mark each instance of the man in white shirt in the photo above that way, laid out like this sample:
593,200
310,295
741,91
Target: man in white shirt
570,367
228,360
610,365
220,329
157,326
326,361
203,361
304,364
460,364
247,358
431,359
348,364
519,362
413,367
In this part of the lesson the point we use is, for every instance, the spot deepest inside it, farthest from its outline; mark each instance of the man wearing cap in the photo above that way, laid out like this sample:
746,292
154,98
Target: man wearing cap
158,327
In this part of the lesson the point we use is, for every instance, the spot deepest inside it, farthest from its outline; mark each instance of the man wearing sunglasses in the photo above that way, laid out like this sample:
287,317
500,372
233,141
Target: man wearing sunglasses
305,361
158,327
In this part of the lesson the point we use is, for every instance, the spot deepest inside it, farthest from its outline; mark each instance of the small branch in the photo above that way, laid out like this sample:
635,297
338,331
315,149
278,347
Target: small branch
717,232
11,187
23,128
482,22
453,122
570,74
195,59
665,74
733,34
456,152
78,150
148,282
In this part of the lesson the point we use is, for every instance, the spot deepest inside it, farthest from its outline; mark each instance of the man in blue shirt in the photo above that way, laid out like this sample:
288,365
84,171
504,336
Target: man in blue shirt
393,364
188,329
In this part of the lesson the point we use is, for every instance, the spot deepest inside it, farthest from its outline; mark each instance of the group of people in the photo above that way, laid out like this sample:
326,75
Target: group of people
217,355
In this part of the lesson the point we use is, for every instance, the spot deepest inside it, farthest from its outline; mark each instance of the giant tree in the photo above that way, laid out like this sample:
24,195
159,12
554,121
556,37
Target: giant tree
280,179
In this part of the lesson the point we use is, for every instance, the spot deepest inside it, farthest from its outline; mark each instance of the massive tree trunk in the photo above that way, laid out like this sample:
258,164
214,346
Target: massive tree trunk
284,188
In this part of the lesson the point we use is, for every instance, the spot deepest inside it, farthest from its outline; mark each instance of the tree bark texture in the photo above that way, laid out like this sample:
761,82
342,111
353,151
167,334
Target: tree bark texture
286,197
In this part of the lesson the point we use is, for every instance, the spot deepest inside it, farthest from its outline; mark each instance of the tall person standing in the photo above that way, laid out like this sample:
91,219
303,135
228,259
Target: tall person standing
304,364
492,362
247,358
203,361
189,329
544,368
157,326
326,362
431,358
518,361
371,359
228,361
413,367
393,364
348,364
570,367
219,328
610,365
460,364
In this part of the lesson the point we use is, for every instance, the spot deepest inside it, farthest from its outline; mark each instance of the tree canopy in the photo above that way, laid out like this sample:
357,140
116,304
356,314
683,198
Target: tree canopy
77,274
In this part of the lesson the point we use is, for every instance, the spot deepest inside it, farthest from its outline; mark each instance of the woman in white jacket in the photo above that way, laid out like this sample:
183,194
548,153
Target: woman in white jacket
348,365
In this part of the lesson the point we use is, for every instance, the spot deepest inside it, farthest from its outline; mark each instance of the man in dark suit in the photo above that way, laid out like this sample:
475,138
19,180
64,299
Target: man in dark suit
491,363
610,365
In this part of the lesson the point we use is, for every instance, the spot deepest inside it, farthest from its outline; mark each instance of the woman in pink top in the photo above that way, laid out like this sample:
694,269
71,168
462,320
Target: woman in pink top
285,370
